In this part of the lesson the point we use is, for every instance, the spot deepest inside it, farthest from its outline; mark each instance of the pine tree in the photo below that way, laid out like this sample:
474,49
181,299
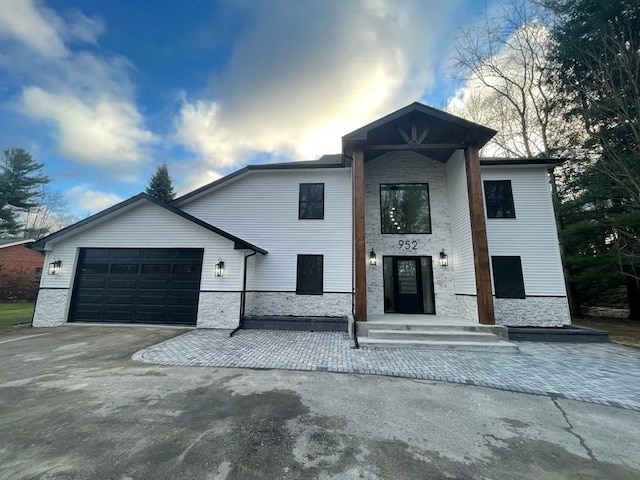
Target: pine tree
160,184
21,178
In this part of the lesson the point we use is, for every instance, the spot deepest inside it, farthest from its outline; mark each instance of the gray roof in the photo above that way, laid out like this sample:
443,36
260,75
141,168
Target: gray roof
10,242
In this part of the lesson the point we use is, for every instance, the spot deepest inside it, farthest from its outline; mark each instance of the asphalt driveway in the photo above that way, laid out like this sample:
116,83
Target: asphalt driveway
74,405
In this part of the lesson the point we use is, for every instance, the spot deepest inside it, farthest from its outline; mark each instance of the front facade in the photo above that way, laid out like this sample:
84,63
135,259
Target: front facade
406,220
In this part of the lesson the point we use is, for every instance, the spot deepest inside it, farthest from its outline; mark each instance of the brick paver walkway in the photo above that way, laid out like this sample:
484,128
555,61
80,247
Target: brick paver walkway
602,373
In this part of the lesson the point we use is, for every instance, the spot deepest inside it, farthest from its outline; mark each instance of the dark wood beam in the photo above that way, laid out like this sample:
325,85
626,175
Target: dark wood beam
479,236
357,173
420,146
414,133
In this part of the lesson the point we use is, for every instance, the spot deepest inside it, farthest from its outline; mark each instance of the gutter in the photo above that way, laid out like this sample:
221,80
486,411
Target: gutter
243,294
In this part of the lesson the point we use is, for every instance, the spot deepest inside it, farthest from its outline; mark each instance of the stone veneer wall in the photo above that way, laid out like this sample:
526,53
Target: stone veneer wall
218,310
468,307
532,311
51,307
290,304
408,167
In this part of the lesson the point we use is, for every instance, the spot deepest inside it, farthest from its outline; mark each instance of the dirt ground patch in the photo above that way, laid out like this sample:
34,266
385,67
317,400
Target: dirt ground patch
621,331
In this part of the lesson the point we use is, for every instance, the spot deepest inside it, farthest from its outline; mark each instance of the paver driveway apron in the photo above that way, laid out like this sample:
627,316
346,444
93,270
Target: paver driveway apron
606,374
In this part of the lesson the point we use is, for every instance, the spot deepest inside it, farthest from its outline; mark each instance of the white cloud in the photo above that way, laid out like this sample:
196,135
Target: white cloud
37,28
196,176
101,131
305,73
87,99
82,198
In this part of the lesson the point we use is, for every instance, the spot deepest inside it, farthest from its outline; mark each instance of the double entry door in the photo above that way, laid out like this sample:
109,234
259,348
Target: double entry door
408,285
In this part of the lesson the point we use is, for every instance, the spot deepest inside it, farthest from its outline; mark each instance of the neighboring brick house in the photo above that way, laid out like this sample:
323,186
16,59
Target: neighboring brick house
15,256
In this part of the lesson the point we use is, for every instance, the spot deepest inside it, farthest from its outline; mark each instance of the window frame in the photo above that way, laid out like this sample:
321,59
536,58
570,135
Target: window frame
499,291
426,184
315,291
486,198
301,185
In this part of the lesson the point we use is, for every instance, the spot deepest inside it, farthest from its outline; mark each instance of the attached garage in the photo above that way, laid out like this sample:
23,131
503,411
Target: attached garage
143,261
126,285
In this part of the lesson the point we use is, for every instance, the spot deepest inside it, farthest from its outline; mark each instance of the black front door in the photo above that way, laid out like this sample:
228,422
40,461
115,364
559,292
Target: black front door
407,287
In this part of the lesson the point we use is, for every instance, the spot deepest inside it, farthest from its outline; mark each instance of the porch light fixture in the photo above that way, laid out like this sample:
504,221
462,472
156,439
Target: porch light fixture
444,259
373,259
219,268
55,267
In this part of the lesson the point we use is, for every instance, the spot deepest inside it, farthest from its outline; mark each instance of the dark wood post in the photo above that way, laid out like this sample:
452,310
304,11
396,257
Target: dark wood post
357,167
479,235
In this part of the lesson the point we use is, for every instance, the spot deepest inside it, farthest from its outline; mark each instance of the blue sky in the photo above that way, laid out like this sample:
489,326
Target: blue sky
103,92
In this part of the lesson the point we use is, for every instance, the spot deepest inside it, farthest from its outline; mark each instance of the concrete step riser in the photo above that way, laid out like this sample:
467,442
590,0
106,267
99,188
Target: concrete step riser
434,336
476,347
364,328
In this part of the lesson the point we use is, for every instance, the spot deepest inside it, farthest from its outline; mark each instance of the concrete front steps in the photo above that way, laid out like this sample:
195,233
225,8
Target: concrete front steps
434,333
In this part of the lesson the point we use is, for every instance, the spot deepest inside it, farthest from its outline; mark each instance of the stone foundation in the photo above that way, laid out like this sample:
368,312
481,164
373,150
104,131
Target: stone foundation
290,304
532,311
51,307
468,307
219,310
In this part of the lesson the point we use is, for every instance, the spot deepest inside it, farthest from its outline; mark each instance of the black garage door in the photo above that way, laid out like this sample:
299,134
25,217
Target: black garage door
126,285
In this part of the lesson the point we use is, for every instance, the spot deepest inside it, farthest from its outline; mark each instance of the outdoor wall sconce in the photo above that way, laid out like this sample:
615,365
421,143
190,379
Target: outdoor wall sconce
444,259
373,259
55,267
219,268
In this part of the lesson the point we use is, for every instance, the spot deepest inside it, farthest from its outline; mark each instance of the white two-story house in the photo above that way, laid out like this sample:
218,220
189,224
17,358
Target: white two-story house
407,219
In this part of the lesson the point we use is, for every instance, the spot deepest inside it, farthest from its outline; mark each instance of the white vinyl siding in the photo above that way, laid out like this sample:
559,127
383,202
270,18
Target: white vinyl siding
461,257
532,233
150,226
262,208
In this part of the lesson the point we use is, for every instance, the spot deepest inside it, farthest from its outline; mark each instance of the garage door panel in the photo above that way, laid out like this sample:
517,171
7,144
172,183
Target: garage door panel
150,299
88,282
153,284
97,254
184,294
122,283
126,253
185,284
156,286
91,297
120,299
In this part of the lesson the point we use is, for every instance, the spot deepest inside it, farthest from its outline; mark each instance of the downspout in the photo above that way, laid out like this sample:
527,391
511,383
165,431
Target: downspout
243,294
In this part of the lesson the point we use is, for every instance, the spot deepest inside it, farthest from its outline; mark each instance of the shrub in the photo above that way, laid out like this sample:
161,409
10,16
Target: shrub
18,285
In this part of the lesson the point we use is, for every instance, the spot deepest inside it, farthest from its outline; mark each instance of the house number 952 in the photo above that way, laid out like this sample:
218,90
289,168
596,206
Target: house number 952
408,244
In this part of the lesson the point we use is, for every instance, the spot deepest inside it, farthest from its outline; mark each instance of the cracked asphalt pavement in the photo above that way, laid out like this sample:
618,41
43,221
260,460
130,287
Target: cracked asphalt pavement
74,405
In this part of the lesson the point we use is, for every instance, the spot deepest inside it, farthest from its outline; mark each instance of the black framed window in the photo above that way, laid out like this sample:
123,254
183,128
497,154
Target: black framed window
309,277
404,208
311,201
499,199
508,281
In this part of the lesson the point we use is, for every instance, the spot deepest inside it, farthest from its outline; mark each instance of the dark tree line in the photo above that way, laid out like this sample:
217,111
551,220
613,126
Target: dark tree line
565,75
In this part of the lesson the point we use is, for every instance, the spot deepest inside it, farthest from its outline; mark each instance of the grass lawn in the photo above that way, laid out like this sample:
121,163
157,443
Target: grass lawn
624,332
15,313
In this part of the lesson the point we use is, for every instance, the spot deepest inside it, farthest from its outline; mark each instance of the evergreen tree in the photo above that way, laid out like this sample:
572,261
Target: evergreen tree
20,180
160,184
